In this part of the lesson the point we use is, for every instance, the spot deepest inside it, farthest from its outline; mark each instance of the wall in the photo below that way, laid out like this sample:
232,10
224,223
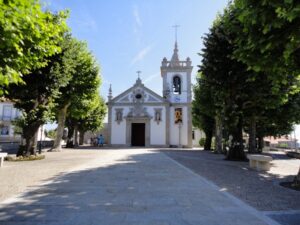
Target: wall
118,130
174,128
157,130
198,134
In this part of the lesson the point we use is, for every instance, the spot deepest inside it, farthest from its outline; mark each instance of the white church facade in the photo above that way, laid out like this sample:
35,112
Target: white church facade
141,117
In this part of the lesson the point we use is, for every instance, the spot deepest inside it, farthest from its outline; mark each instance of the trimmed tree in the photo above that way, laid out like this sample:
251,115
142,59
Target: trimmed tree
29,36
85,81
203,110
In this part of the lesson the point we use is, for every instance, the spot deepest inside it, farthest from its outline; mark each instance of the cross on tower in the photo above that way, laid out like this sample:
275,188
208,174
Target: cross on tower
138,73
175,27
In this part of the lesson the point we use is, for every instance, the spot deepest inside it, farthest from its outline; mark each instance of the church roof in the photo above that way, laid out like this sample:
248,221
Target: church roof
124,97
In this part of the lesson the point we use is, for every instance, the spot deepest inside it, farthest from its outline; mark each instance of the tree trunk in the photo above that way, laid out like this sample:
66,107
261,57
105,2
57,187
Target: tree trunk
81,137
30,135
76,144
297,179
236,149
70,142
260,143
219,135
208,138
61,118
252,135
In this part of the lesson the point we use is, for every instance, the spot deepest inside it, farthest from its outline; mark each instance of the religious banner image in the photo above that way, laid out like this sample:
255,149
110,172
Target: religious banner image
178,115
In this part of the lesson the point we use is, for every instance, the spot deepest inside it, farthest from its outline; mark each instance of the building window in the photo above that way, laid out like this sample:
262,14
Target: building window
176,85
4,130
7,112
193,134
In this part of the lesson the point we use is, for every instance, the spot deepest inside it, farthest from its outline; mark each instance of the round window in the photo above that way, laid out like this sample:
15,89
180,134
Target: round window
138,96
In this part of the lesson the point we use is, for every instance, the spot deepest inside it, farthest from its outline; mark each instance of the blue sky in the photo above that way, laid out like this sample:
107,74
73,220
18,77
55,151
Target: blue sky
131,35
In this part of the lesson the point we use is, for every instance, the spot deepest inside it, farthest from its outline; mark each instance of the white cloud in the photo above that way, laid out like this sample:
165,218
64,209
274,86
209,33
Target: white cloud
136,16
137,24
141,55
151,77
86,23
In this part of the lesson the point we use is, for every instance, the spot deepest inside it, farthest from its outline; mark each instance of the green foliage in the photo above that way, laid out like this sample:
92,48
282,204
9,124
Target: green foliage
40,89
283,145
87,109
201,142
203,109
263,95
88,114
270,44
51,134
93,120
29,36
18,124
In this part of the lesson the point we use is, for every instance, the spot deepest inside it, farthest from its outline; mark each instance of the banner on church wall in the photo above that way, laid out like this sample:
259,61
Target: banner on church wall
178,115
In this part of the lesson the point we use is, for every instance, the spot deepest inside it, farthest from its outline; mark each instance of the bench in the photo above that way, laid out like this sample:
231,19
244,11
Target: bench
260,162
2,155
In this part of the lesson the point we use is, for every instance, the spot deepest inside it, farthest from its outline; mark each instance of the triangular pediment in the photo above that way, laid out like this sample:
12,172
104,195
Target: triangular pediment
138,92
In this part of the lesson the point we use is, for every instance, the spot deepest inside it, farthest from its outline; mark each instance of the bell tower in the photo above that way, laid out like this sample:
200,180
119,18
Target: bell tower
177,90
176,77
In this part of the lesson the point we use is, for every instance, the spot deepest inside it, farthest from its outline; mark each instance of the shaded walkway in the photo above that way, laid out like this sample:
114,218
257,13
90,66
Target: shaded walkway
129,187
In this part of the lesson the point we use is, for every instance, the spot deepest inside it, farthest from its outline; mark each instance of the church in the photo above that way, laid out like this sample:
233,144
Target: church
141,117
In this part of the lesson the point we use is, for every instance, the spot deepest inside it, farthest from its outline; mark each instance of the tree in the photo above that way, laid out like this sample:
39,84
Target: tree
29,36
37,94
87,115
272,43
85,81
203,110
225,78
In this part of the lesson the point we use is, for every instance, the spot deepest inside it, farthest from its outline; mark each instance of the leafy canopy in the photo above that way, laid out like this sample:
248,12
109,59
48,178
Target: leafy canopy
29,36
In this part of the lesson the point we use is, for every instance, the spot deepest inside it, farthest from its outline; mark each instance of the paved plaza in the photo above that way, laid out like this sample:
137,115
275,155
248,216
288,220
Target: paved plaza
126,186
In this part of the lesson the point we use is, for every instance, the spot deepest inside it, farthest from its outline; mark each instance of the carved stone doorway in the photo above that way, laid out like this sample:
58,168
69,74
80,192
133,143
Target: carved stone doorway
130,135
138,134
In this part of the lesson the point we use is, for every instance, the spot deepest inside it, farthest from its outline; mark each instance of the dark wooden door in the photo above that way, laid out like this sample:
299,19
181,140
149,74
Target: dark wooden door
138,134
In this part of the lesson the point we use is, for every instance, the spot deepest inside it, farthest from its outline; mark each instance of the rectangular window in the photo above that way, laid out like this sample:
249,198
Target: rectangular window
193,135
4,130
7,110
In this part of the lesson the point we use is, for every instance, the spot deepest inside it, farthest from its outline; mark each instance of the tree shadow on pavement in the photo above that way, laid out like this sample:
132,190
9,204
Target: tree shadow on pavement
87,196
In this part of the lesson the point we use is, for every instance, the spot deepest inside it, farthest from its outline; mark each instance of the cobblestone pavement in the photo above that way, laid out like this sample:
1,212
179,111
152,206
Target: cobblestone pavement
258,189
125,187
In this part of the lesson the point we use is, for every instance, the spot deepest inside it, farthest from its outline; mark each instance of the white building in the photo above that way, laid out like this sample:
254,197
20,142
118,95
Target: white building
141,117
8,114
